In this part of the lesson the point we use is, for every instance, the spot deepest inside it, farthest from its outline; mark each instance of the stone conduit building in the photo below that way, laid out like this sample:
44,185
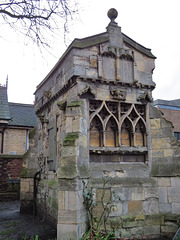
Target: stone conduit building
95,119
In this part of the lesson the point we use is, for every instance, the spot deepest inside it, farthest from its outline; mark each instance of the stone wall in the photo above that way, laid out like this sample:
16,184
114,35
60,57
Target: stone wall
30,168
144,205
95,120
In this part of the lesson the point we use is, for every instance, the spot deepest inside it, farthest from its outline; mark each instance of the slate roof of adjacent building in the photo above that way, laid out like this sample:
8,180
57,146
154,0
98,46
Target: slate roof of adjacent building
22,115
4,108
172,103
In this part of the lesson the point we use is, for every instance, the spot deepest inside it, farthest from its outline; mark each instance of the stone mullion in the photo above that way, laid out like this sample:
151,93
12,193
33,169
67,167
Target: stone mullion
133,135
104,137
119,130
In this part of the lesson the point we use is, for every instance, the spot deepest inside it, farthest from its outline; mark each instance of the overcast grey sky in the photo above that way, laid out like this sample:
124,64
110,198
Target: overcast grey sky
152,23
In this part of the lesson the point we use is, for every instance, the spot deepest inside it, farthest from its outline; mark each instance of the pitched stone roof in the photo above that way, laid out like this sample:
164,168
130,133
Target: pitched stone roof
4,108
95,40
22,115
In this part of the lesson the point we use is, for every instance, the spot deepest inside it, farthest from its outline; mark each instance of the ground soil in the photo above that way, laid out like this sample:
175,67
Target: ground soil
15,226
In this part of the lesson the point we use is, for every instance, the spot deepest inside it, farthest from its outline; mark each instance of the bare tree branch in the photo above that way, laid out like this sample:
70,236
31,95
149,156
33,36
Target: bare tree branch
38,18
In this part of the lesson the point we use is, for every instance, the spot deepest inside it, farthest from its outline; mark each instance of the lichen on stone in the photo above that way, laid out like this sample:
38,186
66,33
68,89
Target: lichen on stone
23,173
70,139
76,103
62,104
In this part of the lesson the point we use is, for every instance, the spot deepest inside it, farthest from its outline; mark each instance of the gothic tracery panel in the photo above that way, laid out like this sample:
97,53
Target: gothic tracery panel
116,124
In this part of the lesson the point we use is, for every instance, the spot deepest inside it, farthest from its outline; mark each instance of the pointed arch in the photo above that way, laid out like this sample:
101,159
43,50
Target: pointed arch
111,133
96,132
140,131
126,133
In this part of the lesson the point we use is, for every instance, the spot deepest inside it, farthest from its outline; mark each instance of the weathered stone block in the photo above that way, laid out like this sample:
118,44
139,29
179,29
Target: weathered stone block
136,232
154,220
69,125
165,207
169,229
61,199
72,200
162,193
150,206
25,186
175,181
132,224
174,199
149,230
135,207
155,123
124,194
69,151
138,194
168,152
105,193
176,208
68,231
161,143
116,210
173,191
157,153
29,196
150,192
164,182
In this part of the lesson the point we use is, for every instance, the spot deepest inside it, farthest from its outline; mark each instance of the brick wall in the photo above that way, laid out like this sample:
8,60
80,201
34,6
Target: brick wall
10,169
15,141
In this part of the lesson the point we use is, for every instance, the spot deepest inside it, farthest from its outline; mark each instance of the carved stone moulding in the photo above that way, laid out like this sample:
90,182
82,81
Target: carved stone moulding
118,94
125,54
71,82
43,119
145,97
87,91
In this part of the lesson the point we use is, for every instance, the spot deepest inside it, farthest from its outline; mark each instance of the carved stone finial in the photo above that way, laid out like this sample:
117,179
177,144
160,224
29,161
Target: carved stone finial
112,14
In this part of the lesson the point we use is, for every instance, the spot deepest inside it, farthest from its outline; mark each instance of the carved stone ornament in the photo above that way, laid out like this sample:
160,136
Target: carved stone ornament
47,94
126,54
87,90
62,104
145,97
118,94
43,119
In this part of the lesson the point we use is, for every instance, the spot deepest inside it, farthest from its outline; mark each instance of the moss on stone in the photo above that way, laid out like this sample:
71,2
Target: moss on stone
23,173
25,156
68,171
83,170
165,170
115,222
62,104
70,139
32,133
52,183
77,103
54,203
155,219
172,217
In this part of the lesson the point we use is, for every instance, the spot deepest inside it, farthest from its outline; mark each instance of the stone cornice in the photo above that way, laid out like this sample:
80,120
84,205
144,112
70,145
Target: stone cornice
117,83
71,82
